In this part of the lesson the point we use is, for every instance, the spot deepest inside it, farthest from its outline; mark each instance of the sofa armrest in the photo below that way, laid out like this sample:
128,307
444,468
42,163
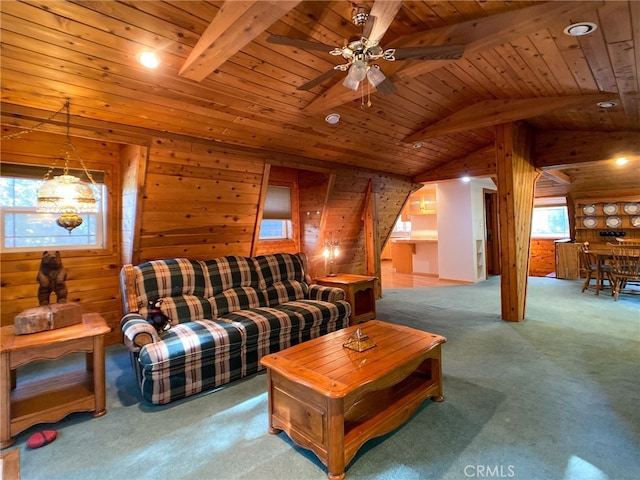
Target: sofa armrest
327,294
137,331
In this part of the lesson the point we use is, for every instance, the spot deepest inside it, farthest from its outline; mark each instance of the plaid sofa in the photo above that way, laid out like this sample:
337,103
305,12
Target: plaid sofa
225,313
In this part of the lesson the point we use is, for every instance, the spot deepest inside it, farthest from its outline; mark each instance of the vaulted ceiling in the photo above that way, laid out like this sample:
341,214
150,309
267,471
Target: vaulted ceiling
223,79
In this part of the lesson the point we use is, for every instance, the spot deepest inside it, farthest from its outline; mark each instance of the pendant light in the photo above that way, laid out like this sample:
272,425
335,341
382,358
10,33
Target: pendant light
66,194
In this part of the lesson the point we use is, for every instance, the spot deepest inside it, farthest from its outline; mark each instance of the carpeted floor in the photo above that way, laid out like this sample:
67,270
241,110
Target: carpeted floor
553,397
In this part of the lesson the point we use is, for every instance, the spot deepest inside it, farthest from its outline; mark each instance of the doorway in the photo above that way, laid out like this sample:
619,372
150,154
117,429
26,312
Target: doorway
492,232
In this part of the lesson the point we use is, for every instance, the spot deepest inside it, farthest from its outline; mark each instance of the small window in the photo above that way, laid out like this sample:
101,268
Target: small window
550,222
276,218
23,229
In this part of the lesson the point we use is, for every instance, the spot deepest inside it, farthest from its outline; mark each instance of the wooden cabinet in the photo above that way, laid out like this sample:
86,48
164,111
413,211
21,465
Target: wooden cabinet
603,219
567,264
422,202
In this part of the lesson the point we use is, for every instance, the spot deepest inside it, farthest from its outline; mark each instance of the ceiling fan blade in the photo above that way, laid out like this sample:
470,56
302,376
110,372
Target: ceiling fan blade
382,13
386,87
296,42
440,52
318,80
368,27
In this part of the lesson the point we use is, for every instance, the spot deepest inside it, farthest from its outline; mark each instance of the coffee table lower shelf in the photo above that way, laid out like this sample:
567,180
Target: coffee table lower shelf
335,427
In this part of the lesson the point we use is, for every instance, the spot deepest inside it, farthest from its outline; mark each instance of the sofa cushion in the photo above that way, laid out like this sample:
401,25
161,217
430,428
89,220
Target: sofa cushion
278,267
183,308
235,299
264,330
190,358
230,272
167,278
285,291
317,317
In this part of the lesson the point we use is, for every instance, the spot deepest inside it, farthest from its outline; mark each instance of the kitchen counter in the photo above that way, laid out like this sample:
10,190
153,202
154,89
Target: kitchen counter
415,255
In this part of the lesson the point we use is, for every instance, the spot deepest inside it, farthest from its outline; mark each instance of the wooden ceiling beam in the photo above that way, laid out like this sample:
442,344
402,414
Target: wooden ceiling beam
478,164
236,25
557,176
495,112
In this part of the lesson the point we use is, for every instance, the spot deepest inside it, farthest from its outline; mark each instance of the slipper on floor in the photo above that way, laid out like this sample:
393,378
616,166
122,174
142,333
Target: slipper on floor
40,439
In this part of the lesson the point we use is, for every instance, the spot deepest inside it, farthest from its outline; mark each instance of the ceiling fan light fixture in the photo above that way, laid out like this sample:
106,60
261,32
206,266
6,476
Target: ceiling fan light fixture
351,83
375,75
358,70
580,28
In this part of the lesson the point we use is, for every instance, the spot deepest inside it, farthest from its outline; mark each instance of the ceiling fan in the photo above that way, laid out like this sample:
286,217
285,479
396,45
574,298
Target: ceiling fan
362,54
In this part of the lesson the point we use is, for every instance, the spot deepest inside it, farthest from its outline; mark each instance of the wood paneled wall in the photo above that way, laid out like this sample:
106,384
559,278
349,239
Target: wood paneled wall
92,275
542,257
183,199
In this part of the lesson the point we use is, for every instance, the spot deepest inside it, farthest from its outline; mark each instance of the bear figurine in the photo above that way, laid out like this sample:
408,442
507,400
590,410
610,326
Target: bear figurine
51,278
155,317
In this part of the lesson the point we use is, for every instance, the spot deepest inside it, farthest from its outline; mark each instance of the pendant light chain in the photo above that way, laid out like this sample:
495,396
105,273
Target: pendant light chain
71,146
68,146
36,126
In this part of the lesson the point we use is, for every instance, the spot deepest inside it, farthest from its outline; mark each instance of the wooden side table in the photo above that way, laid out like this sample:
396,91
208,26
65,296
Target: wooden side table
51,399
360,291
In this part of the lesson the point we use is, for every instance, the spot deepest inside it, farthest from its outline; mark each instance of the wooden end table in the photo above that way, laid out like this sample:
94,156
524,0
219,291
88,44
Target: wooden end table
331,400
50,400
360,291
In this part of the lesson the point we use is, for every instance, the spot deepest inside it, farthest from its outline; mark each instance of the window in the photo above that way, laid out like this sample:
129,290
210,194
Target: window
550,222
24,229
276,218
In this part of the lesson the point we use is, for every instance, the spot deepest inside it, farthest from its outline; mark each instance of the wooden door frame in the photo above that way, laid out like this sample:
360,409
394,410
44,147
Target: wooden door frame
495,224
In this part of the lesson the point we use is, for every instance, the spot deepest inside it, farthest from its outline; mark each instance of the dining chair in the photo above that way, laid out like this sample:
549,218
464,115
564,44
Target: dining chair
625,267
624,242
589,268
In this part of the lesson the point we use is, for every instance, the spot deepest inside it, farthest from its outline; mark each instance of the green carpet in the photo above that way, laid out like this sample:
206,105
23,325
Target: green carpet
554,397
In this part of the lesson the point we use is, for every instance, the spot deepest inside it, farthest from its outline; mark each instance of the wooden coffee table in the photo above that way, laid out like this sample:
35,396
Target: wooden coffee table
331,400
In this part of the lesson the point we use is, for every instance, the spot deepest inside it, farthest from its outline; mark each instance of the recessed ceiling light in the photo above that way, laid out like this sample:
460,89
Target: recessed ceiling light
418,144
621,160
581,28
466,179
332,118
607,104
148,59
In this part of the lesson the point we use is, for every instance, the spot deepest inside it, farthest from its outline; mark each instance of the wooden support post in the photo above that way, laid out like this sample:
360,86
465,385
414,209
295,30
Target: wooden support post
516,182
372,239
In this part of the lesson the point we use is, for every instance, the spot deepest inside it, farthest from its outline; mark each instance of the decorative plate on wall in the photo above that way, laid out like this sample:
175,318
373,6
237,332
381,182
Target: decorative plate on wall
613,222
589,209
590,222
632,208
610,209
635,221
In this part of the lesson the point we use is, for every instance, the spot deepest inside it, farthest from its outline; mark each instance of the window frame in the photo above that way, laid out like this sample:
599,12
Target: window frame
104,217
287,223
546,204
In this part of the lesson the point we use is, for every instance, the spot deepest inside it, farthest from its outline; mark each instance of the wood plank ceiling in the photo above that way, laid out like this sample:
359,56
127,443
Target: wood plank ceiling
221,80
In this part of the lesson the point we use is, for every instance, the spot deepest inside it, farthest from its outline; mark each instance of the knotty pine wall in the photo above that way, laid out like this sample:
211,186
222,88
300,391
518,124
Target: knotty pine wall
197,200
542,257
92,275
